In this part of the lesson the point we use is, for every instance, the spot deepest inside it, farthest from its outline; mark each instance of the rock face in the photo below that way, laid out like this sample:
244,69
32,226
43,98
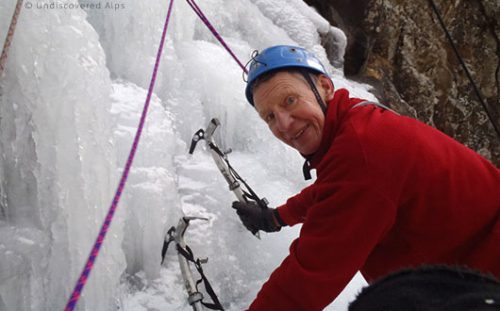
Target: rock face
400,48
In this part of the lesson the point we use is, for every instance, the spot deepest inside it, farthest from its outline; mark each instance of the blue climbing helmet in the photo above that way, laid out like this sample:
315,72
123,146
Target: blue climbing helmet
281,57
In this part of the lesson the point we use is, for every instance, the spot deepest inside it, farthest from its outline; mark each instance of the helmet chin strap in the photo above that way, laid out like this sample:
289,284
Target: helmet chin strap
306,168
309,80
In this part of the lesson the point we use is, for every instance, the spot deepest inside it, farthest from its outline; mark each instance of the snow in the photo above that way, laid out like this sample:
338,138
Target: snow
71,97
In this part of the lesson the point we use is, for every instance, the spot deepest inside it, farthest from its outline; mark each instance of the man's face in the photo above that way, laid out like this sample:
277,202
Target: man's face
290,109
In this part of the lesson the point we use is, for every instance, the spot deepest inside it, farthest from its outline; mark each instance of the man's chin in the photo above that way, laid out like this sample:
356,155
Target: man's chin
304,151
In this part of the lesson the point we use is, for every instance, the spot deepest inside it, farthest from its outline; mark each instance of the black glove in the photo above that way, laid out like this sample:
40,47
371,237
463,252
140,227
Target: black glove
255,218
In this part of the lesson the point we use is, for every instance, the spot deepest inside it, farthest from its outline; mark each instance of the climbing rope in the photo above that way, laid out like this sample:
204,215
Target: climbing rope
10,35
104,228
207,23
464,66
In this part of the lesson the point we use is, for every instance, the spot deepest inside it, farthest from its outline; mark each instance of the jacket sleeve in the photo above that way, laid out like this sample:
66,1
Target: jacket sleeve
340,232
295,209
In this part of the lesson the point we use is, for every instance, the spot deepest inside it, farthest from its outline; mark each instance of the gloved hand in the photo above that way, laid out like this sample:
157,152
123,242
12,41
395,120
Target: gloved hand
255,218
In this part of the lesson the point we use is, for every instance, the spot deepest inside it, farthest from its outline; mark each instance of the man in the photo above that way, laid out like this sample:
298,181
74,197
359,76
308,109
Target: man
391,192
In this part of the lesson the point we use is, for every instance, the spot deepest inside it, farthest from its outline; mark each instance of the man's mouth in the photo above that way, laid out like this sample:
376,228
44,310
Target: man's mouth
297,136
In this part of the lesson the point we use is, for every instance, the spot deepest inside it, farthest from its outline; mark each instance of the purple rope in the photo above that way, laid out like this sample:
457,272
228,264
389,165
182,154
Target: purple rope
104,229
205,20
10,34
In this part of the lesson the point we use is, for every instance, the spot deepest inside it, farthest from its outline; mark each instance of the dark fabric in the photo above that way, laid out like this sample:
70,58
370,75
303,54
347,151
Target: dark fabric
278,218
431,288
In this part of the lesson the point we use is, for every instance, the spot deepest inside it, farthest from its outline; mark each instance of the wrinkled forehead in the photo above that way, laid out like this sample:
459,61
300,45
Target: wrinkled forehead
276,86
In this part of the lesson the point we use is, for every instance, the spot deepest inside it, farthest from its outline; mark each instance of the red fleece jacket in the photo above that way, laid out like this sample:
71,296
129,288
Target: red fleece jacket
391,192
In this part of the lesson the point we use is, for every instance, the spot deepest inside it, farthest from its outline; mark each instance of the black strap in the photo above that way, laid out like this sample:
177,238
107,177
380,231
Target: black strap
216,305
306,170
278,218
249,193
320,101
188,254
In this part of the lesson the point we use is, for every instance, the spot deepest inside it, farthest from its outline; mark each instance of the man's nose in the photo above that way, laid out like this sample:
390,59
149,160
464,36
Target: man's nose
283,120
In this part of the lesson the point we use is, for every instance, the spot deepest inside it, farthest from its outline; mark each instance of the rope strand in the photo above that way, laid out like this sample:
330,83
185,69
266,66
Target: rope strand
207,23
10,35
469,76
109,217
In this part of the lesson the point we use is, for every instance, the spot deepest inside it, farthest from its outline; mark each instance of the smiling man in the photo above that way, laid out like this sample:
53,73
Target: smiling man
291,111
391,192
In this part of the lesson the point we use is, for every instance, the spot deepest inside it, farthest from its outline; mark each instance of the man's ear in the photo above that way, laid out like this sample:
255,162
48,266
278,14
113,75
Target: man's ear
326,87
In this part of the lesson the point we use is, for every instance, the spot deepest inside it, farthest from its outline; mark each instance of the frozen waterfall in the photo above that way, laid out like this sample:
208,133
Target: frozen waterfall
71,97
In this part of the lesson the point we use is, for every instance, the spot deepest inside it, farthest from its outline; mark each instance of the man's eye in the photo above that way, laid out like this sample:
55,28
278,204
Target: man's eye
270,117
290,100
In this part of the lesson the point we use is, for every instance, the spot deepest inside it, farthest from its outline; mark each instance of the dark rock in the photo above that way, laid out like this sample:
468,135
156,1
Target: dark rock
400,48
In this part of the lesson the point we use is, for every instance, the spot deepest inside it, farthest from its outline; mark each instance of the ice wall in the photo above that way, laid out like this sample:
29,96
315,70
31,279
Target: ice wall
151,197
72,94
59,166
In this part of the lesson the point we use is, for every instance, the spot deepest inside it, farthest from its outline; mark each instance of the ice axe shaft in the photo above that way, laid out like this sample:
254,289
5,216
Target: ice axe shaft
230,175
